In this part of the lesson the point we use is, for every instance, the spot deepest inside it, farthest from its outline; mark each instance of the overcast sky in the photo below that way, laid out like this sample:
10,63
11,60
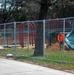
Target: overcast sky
7,5
0,0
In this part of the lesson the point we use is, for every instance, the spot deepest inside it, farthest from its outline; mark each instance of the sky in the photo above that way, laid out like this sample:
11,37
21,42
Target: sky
0,0
7,5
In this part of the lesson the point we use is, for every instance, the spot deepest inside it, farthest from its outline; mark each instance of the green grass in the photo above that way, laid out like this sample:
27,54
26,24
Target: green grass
54,59
47,63
67,56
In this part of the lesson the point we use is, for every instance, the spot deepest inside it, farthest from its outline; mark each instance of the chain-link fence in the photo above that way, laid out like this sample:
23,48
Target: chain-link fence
19,38
53,49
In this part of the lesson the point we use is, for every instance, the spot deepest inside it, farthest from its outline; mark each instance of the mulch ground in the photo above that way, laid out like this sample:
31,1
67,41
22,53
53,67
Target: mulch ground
56,47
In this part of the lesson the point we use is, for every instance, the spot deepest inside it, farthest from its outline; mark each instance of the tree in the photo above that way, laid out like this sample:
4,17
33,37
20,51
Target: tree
62,9
45,4
11,11
39,34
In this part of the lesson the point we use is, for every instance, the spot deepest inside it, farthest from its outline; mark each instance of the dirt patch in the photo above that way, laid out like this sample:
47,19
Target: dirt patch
26,47
56,47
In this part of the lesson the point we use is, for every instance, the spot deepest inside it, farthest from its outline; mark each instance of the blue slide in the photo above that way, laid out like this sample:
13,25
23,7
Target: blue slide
69,39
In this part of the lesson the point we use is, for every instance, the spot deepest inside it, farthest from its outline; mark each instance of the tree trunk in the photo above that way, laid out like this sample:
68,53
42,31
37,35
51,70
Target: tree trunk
39,33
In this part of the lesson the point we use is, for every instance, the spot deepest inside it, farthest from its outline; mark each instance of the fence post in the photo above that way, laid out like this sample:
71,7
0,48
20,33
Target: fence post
5,37
14,38
44,39
28,41
64,31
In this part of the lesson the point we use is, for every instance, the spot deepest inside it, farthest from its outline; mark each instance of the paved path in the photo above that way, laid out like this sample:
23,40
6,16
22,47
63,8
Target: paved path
12,67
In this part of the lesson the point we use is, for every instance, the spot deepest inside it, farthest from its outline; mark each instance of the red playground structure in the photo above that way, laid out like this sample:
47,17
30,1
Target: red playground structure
27,32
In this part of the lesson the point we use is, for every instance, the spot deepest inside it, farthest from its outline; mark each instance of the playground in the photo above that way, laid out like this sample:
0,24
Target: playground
18,38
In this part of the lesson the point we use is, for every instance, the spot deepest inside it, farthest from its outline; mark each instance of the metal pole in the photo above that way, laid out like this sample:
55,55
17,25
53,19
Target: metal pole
28,40
14,38
5,38
63,32
44,39
64,41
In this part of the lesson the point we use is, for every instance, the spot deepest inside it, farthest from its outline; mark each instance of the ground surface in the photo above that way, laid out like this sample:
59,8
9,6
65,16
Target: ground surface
12,67
56,47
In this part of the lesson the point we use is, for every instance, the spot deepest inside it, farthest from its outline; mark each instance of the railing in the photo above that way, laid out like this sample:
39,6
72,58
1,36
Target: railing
18,38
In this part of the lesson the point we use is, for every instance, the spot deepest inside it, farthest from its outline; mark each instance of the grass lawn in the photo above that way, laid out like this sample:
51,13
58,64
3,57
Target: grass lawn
63,60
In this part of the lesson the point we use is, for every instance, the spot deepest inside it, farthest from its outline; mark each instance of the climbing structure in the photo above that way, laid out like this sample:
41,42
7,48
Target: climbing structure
27,32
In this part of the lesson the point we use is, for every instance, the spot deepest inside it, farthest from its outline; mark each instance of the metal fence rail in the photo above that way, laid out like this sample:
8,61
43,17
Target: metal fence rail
18,38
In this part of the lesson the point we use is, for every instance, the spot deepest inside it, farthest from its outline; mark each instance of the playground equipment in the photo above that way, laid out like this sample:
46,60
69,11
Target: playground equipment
27,33
69,39
21,34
